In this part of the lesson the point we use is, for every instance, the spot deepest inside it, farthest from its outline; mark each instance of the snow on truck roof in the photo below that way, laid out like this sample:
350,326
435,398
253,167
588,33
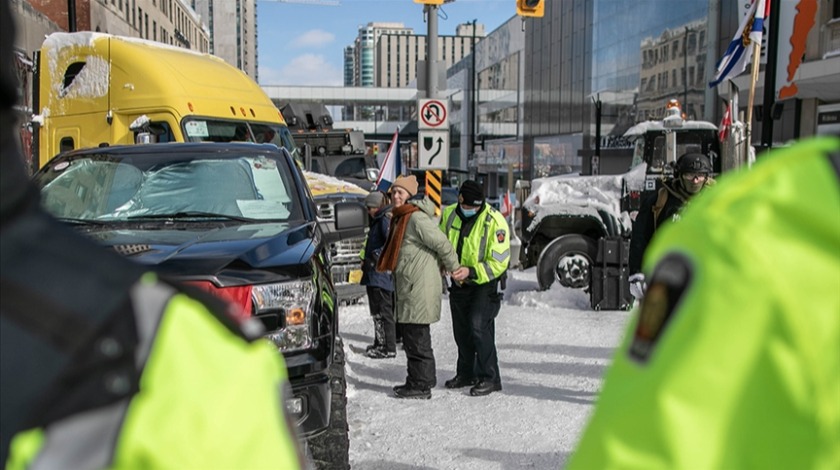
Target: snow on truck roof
137,72
583,195
643,127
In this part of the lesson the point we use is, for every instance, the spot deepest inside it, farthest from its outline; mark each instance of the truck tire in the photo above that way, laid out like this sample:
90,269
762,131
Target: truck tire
331,448
567,259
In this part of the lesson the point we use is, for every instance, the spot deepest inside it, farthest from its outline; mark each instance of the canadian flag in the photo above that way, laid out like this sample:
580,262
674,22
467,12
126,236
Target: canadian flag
505,206
725,123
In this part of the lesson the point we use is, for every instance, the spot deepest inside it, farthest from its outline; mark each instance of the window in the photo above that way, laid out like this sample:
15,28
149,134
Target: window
66,144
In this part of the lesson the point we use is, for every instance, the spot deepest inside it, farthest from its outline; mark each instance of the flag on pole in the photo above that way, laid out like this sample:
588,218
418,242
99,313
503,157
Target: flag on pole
725,123
505,207
739,52
391,166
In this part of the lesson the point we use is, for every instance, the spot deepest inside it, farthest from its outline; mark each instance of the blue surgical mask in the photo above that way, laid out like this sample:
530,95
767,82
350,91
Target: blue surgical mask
468,212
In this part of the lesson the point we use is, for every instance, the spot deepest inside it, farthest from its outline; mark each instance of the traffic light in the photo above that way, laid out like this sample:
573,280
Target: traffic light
429,2
533,8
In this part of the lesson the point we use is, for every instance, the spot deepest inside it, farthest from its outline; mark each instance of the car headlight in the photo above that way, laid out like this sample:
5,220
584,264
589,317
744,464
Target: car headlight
290,305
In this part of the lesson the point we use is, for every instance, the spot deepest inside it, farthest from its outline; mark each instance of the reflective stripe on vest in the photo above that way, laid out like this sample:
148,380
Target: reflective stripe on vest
482,244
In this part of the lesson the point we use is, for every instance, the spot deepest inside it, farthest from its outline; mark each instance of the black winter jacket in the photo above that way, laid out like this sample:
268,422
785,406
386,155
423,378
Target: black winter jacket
644,225
377,235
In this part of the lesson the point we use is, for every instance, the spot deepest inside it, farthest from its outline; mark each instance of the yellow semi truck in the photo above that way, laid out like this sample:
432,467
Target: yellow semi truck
96,89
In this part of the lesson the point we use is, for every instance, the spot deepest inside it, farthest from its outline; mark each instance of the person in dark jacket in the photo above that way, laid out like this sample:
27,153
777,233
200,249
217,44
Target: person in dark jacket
692,173
380,286
104,365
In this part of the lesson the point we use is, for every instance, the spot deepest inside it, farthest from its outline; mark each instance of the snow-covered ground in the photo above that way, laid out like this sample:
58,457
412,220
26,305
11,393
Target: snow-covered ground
553,351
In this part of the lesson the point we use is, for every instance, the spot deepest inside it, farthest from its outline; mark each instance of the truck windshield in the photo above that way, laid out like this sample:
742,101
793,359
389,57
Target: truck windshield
220,130
231,187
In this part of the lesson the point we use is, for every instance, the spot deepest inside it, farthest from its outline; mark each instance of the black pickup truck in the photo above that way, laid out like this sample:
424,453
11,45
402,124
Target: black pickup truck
239,221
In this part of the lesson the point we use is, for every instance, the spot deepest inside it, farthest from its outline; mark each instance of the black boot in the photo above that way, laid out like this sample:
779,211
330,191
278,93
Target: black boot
413,393
460,382
485,388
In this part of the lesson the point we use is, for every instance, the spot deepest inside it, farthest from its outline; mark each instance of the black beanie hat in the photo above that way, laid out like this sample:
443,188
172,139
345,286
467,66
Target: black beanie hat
471,193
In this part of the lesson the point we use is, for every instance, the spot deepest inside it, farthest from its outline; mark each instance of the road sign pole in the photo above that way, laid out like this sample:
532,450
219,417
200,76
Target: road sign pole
431,51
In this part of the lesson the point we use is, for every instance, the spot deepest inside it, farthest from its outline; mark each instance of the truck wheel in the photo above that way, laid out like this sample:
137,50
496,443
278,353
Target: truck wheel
331,449
567,259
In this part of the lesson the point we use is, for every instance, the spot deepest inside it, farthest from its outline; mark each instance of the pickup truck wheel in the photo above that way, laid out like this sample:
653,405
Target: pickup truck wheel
567,259
331,449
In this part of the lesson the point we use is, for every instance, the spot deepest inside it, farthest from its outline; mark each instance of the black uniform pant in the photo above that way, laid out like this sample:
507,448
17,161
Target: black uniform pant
474,308
417,343
381,303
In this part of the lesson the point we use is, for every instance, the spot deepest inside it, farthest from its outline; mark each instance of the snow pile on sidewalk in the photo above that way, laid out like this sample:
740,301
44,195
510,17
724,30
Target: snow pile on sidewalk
553,351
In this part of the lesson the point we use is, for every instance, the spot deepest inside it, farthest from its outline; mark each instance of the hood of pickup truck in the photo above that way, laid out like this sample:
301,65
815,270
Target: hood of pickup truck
248,253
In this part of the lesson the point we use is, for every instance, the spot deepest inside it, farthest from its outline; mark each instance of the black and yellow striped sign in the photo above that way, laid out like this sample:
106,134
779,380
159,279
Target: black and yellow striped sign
433,185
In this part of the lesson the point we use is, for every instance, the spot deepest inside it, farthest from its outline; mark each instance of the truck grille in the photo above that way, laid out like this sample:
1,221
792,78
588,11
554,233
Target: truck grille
346,266
345,260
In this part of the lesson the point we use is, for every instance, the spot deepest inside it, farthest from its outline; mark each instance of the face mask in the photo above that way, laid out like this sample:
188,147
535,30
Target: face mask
468,212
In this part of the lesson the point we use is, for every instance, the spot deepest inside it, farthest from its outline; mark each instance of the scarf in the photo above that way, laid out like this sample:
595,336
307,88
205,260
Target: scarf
391,250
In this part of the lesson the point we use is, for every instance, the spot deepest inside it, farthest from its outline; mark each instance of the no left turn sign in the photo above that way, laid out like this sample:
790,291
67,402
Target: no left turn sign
432,114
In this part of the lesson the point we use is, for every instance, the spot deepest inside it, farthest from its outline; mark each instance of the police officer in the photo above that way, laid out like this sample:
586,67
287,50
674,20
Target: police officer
481,239
734,361
692,173
105,366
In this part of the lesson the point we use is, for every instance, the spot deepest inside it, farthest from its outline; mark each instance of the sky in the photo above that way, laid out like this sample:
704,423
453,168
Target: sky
553,352
303,44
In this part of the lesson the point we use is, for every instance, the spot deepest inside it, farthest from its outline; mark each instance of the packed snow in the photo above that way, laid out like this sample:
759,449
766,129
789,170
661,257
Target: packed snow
553,351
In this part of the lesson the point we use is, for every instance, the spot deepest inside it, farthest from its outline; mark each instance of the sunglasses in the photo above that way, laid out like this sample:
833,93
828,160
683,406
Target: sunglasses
694,176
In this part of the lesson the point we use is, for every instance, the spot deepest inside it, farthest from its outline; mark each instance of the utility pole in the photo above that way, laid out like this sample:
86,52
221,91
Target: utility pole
770,77
473,95
71,16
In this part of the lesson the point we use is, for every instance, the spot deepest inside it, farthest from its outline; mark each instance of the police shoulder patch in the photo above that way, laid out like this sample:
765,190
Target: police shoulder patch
501,234
671,279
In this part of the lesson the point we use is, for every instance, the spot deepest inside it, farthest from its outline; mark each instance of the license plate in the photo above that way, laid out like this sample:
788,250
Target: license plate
355,276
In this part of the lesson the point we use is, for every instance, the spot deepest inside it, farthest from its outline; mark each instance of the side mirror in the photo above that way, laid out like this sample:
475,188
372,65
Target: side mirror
372,174
145,137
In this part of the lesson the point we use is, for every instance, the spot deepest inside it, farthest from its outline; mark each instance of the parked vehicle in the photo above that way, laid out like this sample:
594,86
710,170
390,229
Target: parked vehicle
341,153
564,216
237,220
98,89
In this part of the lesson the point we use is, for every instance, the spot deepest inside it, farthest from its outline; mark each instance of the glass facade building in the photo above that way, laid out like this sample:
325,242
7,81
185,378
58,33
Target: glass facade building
631,56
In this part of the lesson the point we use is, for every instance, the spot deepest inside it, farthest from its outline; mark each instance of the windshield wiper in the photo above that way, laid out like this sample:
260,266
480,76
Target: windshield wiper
193,215
75,221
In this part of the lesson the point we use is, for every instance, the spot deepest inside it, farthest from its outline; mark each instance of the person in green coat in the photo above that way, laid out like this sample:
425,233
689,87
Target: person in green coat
734,359
415,251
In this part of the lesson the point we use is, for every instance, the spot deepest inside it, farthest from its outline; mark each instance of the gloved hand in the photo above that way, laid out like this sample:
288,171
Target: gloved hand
638,286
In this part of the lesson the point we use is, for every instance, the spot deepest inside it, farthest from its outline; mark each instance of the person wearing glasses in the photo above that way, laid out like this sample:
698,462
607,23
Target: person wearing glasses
692,173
